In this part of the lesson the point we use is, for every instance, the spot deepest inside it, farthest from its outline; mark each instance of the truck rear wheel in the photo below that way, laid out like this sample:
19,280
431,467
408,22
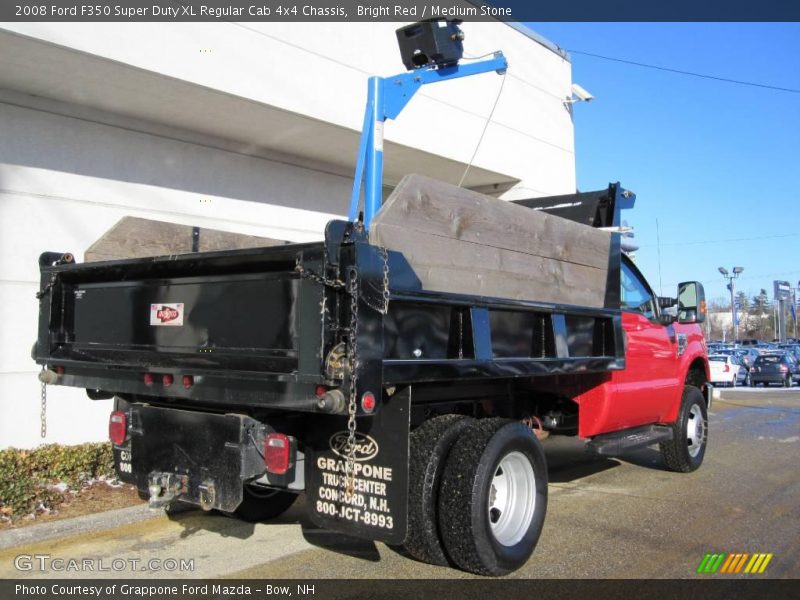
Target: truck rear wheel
687,448
261,504
493,497
430,445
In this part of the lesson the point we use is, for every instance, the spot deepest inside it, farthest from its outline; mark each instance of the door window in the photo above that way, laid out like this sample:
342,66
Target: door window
634,294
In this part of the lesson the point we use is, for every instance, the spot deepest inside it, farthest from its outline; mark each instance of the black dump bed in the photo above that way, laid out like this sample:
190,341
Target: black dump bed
240,313
264,327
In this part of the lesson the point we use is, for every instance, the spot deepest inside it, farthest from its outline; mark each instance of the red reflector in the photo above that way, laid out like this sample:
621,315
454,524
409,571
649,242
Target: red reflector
188,381
276,453
727,368
60,370
320,391
167,380
148,379
368,401
117,427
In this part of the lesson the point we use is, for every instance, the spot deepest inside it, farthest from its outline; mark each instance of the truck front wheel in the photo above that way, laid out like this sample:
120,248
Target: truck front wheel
685,451
493,497
261,504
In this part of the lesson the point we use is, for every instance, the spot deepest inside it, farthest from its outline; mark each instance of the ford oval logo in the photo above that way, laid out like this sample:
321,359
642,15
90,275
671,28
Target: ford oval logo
366,447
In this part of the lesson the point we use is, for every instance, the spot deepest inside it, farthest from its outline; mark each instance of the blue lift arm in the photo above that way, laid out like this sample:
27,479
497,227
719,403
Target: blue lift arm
386,98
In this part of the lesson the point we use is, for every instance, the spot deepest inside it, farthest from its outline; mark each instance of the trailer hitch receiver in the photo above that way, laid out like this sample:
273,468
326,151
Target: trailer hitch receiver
164,488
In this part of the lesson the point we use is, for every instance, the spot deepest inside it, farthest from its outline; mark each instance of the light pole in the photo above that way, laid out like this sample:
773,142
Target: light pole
732,287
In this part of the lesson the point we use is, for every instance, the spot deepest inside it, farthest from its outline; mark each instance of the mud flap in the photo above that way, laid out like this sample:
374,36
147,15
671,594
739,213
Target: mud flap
378,508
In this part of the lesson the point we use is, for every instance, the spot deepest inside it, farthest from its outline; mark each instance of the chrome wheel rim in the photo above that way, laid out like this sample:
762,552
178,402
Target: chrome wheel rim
512,499
695,431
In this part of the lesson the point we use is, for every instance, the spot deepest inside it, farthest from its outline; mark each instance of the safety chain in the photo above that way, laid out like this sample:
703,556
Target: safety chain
336,284
44,291
43,415
352,291
385,257
384,307
350,463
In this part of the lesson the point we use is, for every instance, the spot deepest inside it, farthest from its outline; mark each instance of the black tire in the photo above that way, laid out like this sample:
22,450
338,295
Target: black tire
747,381
471,530
261,504
687,448
429,446
787,381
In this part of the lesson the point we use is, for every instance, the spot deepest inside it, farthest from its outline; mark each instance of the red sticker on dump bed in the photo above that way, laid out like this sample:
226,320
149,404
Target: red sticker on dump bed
166,314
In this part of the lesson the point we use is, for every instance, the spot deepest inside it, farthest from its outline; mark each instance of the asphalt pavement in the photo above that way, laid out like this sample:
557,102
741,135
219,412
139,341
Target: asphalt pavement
607,518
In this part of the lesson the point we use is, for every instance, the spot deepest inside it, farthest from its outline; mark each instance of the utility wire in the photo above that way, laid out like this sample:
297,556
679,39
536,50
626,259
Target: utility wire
485,127
690,73
743,239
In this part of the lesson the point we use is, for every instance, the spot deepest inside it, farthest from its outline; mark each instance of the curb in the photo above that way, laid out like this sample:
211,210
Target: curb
76,525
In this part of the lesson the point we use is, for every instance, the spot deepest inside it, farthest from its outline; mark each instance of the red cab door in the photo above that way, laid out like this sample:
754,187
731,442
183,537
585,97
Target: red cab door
643,392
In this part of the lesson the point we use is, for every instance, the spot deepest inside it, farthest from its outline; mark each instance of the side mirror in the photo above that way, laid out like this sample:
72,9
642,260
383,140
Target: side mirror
665,302
691,302
666,319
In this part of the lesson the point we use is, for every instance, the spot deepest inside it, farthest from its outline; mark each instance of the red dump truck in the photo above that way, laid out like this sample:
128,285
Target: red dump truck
398,373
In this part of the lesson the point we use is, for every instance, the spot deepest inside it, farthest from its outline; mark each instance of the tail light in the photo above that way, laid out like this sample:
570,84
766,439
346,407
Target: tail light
368,402
188,381
277,453
784,368
117,427
727,368
148,379
167,380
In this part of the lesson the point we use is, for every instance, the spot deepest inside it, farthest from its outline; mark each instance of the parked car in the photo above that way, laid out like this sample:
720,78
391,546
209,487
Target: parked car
741,357
780,368
793,349
745,364
724,369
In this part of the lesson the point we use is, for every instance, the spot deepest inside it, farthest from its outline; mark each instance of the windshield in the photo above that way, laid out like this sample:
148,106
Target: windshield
768,360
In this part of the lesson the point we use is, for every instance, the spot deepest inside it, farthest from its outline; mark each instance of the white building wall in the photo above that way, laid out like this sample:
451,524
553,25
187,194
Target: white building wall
72,164
65,181
319,70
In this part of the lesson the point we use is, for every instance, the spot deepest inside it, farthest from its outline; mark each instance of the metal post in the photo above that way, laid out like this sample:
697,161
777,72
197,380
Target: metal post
373,196
733,311
386,98
775,318
732,287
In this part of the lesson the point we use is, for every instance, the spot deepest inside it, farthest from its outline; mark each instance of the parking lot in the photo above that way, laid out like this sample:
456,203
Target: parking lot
607,518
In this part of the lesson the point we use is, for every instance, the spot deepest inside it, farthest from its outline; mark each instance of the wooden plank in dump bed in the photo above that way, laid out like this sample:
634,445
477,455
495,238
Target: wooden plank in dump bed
133,237
459,241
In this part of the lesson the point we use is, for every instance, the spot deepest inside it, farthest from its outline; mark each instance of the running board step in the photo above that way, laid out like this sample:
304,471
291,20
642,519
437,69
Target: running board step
619,442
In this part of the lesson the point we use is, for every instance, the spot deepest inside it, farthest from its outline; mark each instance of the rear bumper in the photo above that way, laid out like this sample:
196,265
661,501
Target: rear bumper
767,377
195,457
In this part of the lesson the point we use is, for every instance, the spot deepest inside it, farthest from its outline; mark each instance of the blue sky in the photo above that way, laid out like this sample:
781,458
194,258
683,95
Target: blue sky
711,161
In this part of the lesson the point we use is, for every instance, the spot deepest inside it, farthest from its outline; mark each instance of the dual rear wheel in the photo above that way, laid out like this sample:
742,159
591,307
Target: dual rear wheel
477,494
